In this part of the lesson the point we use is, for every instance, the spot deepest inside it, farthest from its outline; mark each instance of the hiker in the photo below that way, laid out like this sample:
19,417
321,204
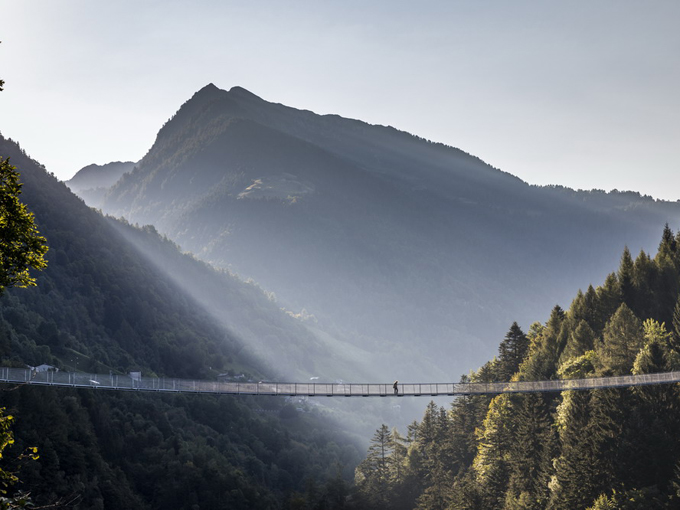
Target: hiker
396,387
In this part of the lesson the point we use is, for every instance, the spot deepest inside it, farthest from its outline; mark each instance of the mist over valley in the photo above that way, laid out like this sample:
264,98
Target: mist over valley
414,255
256,242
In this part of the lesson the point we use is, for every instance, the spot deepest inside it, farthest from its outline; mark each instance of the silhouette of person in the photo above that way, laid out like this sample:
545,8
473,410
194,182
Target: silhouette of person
396,387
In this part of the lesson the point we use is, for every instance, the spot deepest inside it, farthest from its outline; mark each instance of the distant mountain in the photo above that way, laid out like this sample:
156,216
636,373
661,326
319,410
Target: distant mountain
99,176
103,306
416,252
91,182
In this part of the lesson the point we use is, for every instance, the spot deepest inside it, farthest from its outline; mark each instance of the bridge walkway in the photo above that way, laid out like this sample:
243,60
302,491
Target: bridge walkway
315,389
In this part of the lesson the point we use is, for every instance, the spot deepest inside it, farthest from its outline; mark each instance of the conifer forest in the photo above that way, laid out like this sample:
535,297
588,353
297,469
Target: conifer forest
595,450
252,244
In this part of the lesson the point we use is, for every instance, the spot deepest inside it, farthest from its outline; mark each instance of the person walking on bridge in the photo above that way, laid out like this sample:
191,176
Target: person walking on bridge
396,387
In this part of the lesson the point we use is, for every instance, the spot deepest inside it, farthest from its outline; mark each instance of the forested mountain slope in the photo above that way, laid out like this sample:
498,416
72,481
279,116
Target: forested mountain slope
595,449
418,252
287,346
101,306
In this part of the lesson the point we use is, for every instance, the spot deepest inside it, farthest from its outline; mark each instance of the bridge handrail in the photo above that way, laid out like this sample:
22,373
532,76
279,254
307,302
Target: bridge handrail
122,382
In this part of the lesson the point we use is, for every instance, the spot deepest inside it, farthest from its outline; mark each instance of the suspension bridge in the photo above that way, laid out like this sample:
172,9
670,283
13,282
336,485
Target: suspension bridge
316,389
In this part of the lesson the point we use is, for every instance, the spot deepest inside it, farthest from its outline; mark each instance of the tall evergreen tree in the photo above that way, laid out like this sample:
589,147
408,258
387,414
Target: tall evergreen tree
668,244
581,339
437,458
644,282
546,348
531,452
622,339
584,307
511,352
578,479
373,473
625,277
491,463
675,333
666,287
656,411
609,299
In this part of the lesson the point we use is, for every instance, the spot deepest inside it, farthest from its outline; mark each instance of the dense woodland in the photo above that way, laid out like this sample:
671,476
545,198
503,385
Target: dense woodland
596,449
101,306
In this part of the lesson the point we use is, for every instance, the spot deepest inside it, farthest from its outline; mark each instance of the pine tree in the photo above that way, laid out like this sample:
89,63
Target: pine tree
581,339
625,277
656,411
608,301
438,461
622,339
584,307
545,349
398,457
644,282
465,419
675,333
373,473
578,478
668,244
531,453
666,288
511,352
612,436
493,441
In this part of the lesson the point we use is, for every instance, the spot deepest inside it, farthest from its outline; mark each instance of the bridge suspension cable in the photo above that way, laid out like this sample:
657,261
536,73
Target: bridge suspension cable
315,389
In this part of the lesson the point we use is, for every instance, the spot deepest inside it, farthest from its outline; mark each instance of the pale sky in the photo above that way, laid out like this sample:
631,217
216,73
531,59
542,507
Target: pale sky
580,93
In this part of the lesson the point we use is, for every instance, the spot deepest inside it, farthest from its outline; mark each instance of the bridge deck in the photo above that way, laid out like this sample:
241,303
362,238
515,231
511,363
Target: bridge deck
120,382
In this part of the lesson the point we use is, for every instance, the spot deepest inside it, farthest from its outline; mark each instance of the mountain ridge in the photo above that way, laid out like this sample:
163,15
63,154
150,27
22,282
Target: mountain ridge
100,307
400,241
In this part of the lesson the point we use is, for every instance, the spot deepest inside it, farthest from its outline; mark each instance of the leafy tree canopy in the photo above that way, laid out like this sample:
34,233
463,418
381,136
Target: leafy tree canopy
21,246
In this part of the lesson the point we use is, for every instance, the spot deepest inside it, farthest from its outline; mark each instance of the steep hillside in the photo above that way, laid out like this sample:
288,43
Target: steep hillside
416,252
101,306
614,448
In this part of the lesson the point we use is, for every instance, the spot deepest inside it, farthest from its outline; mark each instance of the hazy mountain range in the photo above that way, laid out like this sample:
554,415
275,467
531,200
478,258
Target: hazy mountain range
412,251
104,306
373,255
92,181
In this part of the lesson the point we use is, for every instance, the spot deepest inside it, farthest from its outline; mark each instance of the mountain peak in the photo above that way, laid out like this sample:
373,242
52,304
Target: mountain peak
211,90
209,87
208,92
241,92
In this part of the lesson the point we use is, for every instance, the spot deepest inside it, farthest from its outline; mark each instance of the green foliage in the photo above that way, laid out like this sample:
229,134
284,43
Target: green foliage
375,473
579,368
101,306
511,352
21,246
581,340
10,497
545,349
675,333
622,339
596,450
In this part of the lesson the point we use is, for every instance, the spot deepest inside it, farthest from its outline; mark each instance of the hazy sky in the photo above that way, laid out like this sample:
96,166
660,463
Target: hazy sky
580,93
